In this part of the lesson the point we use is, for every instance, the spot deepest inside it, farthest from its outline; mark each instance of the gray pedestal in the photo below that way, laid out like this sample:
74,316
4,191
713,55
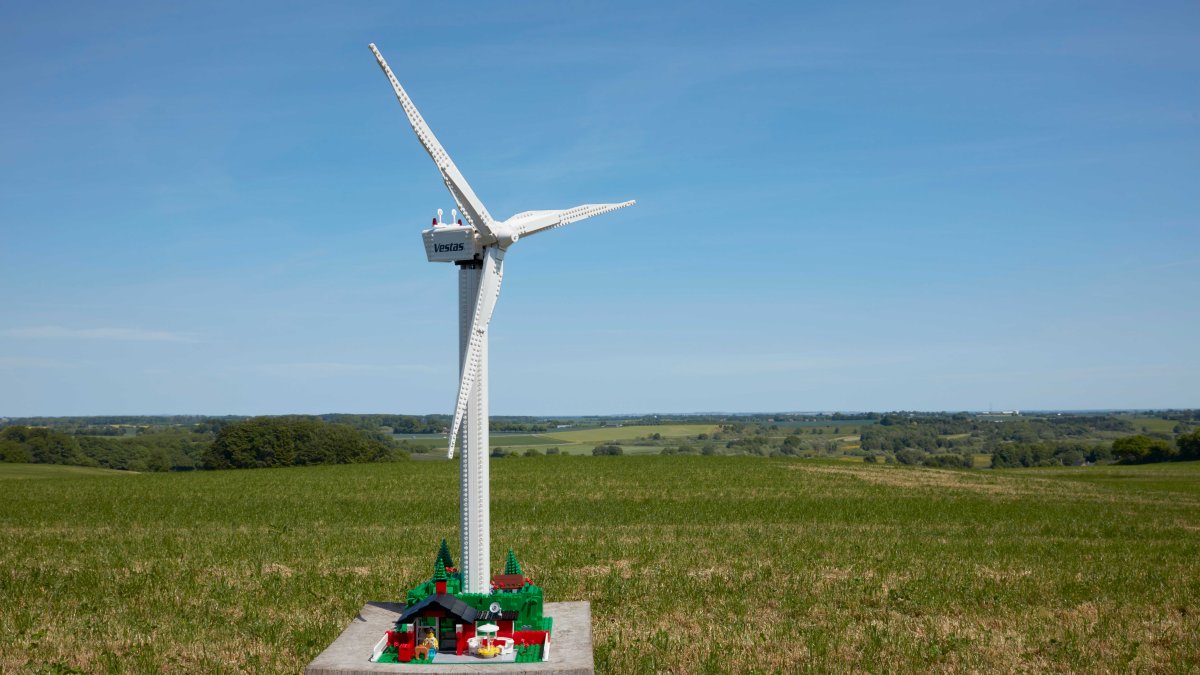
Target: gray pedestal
570,646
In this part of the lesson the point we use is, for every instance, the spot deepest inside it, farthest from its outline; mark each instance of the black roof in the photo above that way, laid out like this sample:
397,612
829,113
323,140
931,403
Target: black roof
453,606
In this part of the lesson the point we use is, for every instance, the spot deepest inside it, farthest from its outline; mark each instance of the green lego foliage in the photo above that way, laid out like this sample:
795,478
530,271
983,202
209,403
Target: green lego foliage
529,653
444,555
511,566
439,571
424,590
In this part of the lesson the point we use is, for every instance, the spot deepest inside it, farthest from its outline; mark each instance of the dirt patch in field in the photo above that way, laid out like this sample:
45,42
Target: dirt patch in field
1001,576
710,573
920,478
831,575
624,568
941,479
276,568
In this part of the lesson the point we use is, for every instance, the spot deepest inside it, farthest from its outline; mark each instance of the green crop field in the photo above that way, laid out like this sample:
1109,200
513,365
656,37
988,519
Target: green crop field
1151,424
509,440
692,564
631,432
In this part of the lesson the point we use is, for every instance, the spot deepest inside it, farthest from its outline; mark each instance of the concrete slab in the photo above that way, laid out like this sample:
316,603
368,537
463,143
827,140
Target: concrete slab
350,653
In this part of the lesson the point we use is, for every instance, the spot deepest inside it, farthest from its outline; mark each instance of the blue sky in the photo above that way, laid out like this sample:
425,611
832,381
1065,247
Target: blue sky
216,208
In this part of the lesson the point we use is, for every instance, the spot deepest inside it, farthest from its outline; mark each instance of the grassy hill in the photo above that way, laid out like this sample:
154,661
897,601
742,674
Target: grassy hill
34,471
692,564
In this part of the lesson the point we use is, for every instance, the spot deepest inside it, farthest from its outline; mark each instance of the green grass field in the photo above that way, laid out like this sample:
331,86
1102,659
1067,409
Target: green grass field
510,440
692,564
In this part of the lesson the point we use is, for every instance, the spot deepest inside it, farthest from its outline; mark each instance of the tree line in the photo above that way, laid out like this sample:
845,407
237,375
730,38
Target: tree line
246,443
265,442
1145,450
1066,453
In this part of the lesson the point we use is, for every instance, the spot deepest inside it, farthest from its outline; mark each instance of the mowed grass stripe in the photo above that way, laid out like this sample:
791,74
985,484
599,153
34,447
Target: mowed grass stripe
692,564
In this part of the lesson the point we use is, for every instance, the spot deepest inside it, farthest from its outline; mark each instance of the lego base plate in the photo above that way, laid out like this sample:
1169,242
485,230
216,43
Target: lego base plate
350,653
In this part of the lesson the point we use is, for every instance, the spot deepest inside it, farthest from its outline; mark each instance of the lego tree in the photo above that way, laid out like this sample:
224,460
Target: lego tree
439,571
511,566
444,555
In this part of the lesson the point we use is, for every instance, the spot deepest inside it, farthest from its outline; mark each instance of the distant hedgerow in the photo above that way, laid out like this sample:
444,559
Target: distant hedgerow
262,442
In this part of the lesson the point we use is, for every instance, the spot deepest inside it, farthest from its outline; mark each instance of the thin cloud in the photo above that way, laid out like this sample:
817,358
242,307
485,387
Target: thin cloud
324,368
1176,263
32,362
767,364
117,334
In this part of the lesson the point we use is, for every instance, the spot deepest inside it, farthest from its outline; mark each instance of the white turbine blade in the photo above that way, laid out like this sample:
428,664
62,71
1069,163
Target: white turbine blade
470,206
532,222
485,303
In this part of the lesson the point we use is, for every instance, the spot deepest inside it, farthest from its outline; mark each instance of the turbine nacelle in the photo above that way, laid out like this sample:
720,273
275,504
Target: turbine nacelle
456,243
451,243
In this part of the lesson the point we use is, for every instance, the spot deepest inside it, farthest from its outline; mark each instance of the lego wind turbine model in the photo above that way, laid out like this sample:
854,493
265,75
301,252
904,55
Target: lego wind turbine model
478,249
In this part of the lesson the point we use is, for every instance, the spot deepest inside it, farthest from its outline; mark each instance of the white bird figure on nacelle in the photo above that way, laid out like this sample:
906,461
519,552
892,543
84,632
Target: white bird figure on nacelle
478,249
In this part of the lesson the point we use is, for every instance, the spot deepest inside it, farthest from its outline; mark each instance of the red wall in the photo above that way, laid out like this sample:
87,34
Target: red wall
531,637
468,632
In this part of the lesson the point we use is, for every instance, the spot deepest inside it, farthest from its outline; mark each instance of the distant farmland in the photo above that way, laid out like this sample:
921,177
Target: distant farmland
582,441
576,442
630,433
692,564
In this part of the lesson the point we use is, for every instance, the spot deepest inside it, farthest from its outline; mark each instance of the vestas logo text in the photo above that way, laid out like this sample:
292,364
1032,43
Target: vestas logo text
447,248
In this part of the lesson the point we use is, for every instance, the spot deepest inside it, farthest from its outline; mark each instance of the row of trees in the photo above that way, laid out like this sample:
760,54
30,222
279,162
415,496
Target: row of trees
400,424
962,433
254,442
1145,450
119,425
927,437
501,453
687,449
1013,455
434,424
39,446
1139,449
162,451
262,442
65,423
